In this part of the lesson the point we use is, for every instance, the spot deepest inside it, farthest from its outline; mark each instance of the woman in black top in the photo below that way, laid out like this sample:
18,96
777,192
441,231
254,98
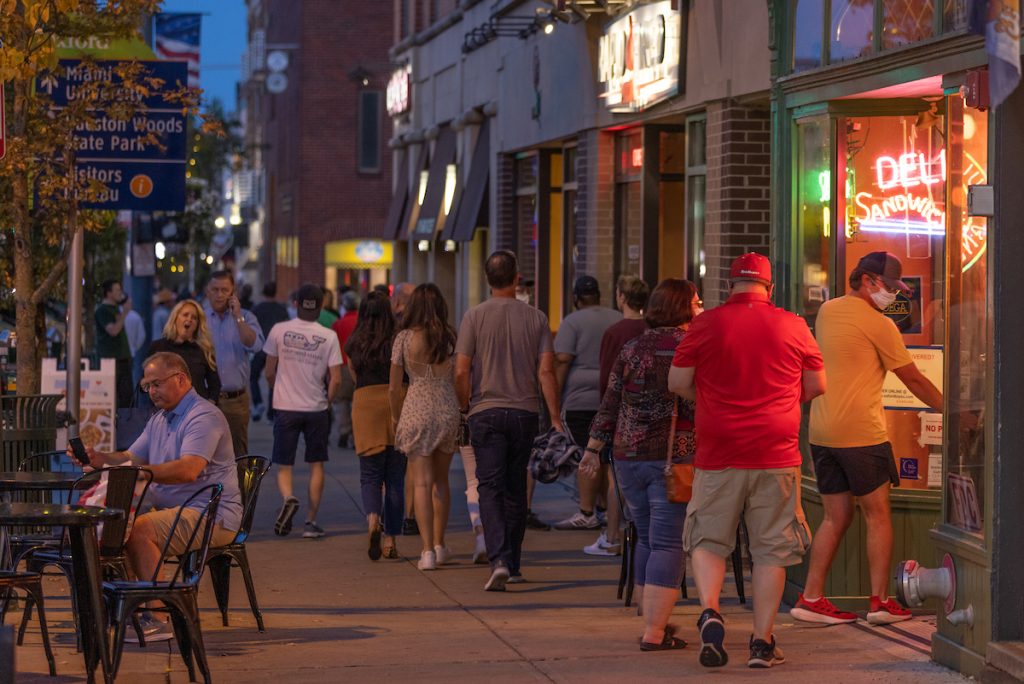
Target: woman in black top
187,336
368,356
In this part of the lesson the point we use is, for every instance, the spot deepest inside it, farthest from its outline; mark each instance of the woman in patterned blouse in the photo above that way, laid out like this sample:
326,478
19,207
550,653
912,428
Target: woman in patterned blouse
636,417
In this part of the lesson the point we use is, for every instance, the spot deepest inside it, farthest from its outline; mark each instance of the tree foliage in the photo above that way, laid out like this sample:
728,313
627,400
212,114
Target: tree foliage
40,189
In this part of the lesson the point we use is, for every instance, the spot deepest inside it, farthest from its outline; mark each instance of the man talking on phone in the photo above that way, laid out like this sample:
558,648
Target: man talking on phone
236,334
187,447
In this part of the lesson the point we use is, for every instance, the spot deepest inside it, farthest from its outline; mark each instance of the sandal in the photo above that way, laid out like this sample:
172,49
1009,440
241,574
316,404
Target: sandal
374,550
390,552
669,643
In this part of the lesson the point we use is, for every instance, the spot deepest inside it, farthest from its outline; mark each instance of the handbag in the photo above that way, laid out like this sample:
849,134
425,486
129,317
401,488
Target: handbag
678,476
131,421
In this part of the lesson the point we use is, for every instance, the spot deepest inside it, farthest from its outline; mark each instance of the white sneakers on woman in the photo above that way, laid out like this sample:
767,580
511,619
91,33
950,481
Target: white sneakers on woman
428,561
443,554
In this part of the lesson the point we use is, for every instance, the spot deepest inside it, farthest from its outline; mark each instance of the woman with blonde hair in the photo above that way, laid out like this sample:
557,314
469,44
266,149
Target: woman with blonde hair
187,335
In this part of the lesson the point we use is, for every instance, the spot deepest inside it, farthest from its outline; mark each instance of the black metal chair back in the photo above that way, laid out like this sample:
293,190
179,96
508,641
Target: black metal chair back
48,461
123,493
251,470
190,571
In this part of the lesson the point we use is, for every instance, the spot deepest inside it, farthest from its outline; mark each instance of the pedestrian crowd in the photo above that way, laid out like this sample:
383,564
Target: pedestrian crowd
683,422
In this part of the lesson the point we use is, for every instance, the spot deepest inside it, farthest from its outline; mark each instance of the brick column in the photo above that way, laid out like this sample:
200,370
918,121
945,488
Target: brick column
738,181
596,218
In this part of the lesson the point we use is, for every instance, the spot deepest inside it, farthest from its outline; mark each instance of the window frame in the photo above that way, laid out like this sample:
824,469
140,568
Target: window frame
361,167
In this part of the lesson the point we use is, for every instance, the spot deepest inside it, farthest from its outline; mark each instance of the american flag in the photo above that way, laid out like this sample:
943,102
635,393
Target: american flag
177,38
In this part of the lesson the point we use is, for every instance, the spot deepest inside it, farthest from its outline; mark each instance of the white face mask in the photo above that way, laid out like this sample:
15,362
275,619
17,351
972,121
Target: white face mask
883,299
523,297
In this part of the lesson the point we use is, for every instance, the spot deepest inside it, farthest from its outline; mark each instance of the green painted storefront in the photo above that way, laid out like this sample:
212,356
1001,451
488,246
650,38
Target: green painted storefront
877,141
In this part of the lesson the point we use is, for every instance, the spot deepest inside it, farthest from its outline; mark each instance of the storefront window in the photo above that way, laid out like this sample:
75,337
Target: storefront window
852,29
955,15
696,183
813,217
570,254
907,21
968,314
526,213
629,165
808,23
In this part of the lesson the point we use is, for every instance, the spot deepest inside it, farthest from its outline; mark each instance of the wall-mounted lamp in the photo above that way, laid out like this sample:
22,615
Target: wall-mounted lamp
423,245
451,246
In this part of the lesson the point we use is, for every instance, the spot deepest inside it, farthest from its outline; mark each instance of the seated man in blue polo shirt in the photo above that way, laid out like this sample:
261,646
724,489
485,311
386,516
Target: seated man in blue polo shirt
187,446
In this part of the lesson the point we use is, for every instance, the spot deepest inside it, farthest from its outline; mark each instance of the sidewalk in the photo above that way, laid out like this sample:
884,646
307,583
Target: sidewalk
332,615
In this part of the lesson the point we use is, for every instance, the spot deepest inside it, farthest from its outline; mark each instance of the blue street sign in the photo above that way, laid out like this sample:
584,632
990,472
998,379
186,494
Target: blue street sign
137,186
139,173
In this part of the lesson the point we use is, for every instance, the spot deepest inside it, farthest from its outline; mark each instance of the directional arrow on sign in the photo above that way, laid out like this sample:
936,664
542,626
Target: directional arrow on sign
48,83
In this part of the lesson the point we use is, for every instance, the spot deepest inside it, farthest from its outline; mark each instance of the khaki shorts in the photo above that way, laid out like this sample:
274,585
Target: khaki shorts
162,520
769,501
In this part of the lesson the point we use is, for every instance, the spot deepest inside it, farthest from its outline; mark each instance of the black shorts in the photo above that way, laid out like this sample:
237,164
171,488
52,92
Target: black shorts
314,426
578,425
858,470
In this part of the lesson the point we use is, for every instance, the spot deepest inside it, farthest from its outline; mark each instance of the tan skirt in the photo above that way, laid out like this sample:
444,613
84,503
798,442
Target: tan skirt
371,420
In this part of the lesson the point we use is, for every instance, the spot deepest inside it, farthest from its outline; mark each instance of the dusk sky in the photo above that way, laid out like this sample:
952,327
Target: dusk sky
222,42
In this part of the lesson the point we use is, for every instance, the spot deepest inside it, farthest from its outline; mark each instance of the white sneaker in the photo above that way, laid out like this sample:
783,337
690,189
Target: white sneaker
428,561
578,521
480,550
443,554
602,547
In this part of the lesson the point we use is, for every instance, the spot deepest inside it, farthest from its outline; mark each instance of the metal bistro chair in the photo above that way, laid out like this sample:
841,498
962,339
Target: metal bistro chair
124,493
179,594
31,583
251,470
21,545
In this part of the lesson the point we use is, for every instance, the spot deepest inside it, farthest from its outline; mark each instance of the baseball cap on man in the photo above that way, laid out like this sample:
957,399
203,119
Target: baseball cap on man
309,299
887,267
751,266
586,285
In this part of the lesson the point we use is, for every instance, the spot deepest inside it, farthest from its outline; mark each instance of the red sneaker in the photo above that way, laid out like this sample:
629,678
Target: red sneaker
886,612
821,611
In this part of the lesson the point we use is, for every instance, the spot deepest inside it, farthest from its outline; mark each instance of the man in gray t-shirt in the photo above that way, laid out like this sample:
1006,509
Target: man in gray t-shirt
578,369
502,356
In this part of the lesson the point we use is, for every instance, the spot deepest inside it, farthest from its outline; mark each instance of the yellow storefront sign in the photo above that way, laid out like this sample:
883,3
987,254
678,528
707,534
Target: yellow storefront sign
358,254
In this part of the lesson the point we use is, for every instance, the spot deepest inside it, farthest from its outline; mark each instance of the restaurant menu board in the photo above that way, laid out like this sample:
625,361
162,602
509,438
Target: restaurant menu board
97,402
895,394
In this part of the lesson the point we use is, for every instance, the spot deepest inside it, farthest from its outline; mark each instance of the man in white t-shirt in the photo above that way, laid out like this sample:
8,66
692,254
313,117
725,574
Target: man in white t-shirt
306,354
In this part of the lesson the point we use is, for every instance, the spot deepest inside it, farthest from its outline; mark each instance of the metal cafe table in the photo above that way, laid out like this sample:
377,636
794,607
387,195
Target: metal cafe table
80,522
21,481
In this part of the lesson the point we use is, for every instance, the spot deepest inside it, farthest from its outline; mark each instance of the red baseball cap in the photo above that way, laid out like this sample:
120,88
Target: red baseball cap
751,266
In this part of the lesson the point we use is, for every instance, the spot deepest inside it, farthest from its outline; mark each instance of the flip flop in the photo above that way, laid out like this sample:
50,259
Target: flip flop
374,550
668,643
390,552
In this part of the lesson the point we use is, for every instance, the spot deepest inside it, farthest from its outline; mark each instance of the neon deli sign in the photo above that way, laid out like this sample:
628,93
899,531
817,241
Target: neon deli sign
912,209
638,57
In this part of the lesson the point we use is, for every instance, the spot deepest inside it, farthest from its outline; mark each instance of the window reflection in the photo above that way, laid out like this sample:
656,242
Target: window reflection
813,216
808,24
852,29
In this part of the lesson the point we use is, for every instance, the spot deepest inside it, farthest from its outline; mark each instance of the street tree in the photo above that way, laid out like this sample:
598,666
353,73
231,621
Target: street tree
40,189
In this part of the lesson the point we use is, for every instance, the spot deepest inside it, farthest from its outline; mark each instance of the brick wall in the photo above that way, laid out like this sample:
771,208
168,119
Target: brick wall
320,196
596,216
738,200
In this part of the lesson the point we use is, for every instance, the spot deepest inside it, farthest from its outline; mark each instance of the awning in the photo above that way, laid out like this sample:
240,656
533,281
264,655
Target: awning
359,254
411,207
398,200
474,197
444,155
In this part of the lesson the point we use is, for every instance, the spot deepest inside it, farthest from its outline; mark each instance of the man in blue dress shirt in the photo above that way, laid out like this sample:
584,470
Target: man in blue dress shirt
187,446
236,335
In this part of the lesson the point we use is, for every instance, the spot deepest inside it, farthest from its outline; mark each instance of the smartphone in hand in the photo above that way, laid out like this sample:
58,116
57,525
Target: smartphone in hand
79,450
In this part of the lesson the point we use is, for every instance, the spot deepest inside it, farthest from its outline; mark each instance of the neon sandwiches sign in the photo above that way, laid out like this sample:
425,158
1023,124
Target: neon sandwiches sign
892,213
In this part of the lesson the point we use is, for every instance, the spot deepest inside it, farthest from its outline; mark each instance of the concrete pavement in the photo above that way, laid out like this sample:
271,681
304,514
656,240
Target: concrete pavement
333,615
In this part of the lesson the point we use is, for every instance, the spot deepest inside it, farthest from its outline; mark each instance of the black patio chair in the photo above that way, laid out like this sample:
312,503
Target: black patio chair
24,543
179,594
31,583
123,493
251,470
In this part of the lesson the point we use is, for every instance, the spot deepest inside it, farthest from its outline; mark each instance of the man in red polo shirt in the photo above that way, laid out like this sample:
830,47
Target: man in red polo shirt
749,365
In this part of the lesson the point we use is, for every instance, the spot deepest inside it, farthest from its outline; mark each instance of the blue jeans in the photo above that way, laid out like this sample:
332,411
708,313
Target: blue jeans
502,440
387,470
659,524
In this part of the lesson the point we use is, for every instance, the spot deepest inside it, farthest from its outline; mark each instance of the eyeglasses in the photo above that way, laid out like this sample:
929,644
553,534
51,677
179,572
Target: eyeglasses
881,283
157,384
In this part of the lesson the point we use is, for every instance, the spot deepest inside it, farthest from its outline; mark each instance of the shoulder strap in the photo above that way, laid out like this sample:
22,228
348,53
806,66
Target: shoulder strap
672,431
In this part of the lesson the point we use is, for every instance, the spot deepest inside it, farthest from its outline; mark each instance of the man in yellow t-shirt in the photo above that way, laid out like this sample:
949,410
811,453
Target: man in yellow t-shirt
849,443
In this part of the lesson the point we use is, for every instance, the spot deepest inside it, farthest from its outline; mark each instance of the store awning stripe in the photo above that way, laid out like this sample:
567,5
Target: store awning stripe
465,222
398,201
